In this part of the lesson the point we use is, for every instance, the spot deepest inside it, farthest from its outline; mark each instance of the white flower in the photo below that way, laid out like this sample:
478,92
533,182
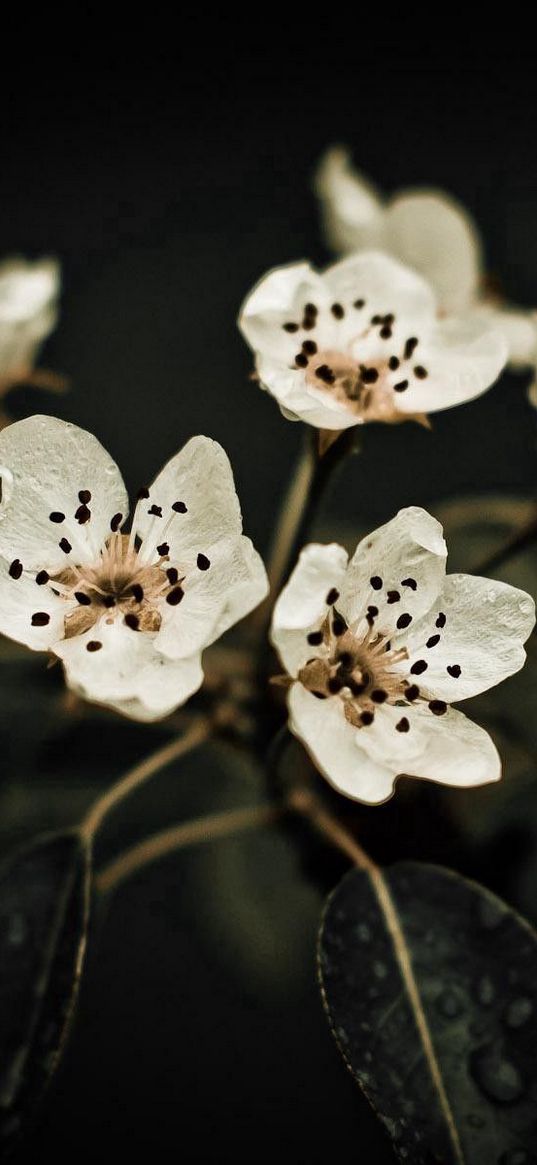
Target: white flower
378,648
129,615
28,312
427,229
362,342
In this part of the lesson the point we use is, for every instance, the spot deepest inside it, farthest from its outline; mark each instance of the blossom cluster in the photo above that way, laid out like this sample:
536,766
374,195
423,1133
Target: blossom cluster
377,649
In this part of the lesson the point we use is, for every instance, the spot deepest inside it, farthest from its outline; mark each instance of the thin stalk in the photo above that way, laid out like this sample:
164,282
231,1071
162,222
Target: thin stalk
310,807
312,476
523,538
198,732
177,837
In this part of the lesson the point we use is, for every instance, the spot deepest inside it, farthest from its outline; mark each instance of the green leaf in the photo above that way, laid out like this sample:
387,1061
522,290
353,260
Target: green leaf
430,984
44,896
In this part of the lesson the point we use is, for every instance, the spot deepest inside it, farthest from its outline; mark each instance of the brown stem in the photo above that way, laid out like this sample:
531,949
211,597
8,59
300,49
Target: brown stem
307,804
198,732
202,829
517,542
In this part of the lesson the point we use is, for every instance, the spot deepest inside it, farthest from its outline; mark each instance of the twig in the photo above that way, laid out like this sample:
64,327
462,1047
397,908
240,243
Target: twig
202,829
199,731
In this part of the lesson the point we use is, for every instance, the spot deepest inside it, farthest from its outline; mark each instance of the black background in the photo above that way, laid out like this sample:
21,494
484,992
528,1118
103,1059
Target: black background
167,188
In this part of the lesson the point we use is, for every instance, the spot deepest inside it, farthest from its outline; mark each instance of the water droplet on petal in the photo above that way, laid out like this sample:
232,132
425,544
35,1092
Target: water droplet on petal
496,1076
518,1011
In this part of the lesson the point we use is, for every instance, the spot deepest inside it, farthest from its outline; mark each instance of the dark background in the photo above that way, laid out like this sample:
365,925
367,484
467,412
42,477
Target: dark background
167,189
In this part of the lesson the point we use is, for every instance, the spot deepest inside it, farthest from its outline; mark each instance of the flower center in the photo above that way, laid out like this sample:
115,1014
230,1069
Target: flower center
119,583
358,670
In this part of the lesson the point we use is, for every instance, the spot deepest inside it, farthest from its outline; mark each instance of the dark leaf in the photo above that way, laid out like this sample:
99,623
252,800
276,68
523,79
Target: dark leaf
430,983
44,893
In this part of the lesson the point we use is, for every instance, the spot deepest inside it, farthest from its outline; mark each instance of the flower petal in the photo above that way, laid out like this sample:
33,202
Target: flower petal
446,748
334,746
434,234
29,613
396,572
472,638
28,294
302,605
127,672
44,464
299,401
456,362
273,312
385,285
215,598
192,502
518,327
353,211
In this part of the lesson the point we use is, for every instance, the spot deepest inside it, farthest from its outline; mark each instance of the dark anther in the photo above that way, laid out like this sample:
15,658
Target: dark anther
203,563
393,597
116,522
370,375
163,549
454,670
432,642
438,707
418,667
179,507
378,696
441,621
376,582
420,372
315,638
334,685
93,645
359,303
332,596
412,692
15,569
410,346
172,575
156,511
57,516
400,386
393,363
301,360
410,582
82,598
403,621
65,546
175,596
367,718
82,515
132,621
290,327
84,496
40,619
337,311
42,577
137,592
403,725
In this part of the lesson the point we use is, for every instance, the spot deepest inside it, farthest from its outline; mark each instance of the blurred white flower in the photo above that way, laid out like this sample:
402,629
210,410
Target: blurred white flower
28,312
129,615
378,648
362,342
427,229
